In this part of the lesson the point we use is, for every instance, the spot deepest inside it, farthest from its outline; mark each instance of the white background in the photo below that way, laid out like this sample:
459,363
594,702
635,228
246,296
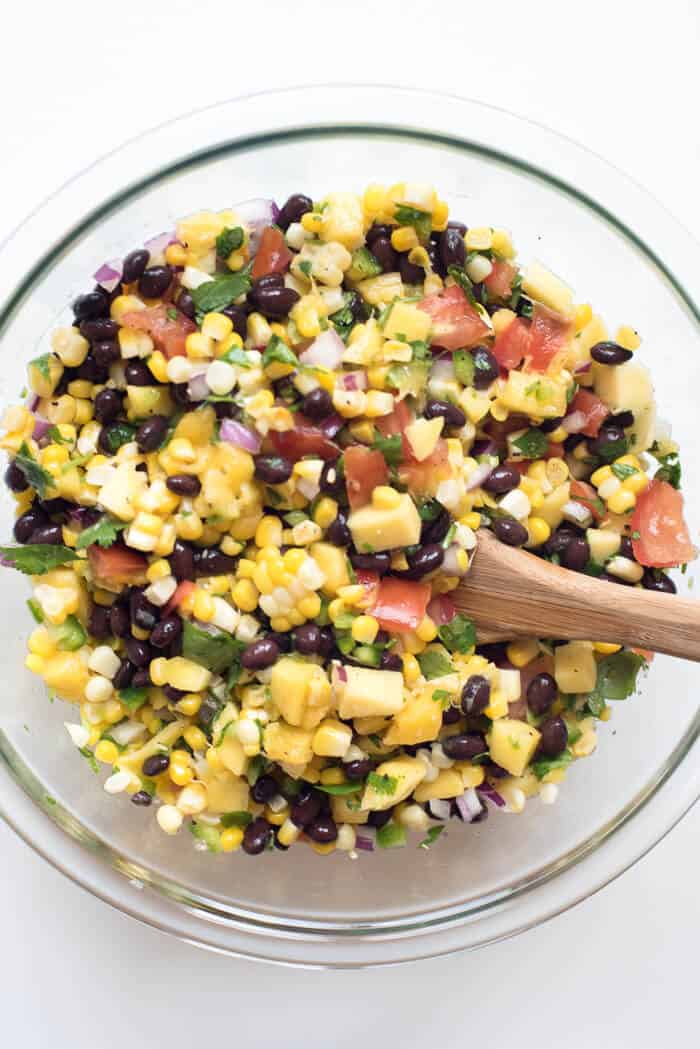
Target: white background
78,78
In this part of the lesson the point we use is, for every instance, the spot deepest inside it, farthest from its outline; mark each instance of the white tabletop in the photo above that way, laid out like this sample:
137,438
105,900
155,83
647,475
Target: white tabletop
621,78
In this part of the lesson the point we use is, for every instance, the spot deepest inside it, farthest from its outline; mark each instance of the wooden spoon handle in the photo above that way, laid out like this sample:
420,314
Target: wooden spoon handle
510,593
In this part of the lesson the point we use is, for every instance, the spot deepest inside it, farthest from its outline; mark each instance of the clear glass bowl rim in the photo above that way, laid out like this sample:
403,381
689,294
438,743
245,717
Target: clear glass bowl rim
273,116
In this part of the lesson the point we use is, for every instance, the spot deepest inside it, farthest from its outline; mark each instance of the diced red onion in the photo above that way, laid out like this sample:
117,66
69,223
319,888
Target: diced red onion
468,805
41,427
487,791
479,476
109,274
582,368
450,563
484,446
198,388
255,215
331,426
440,808
574,422
443,368
354,380
326,351
157,245
442,610
341,672
33,402
235,433
366,844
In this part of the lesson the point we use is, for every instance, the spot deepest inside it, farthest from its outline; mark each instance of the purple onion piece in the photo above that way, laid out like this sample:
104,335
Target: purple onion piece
487,791
366,844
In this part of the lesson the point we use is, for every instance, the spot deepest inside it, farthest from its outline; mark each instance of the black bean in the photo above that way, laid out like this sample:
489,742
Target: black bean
264,789
98,623
452,415
107,405
209,560
379,563
573,441
144,615
502,479
207,712
610,353
476,695
52,507
139,652
178,392
317,404
28,522
510,532
283,641
271,299
184,484
141,797
155,281
293,209
137,373
390,661
554,737
433,249
576,554
549,425
15,479
608,435
305,807
256,836
307,639
560,539
385,254
141,679
239,318
92,304
134,264
323,829
464,746
119,622
378,230
182,561
260,654
51,534
167,631
355,770
91,370
125,674
655,579
151,433
338,532
174,695
486,367
452,248
621,419
435,531
106,353
331,481
541,693
626,548
155,764
410,273
101,329
185,304
273,469
327,641
424,560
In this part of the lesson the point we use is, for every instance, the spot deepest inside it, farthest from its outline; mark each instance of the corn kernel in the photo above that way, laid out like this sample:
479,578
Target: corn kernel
603,473
332,777
325,512
180,448
204,608
34,663
189,526
479,239
195,738
245,595
309,607
636,483
404,238
426,630
189,706
288,833
216,326
312,222
411,668
582,315
293,560
106,751
538,530
605,714
364,629
336,609
502,244
214,760
158,670
322,850
377,377
385,498
621,501
353,594
158,366
124,304
440,215
473,777
269,532
231,839
520,653
472,520
199,347
604,648
628,338
556,471
281,624
180,769
157,570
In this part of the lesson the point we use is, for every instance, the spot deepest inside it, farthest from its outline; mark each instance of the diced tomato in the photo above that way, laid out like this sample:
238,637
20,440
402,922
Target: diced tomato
442,610
553,451
500,280
456,323
663,540
512,344
181,592
165,324
396,423
370,581
273,254
400,604
117,564
592,407
549,333
585,493
521,465
365,470
422,478
304,439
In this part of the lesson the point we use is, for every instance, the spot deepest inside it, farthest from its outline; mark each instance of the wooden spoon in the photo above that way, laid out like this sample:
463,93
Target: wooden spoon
511,593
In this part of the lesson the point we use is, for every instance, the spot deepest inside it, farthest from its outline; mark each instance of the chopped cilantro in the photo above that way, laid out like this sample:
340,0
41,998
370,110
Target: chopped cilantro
390,447
431,837
459,635
35,474
90,758
219,292
421,221
391,836
171,313
616,679
133,698
460,277
56,437
238,356
35,609
532,444
441,695
670,469
215,650
433,663
38,558
343,319
104,533
545,765
382,784
622,472
239,818
119,434
464,365
277,352
230,239
363,265
613,450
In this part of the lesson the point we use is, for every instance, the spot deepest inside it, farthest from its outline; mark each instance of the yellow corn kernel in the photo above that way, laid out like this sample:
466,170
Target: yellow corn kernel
189,526
195,738
40,642
364,629
603,473
319,849
54,455
181,448
312,222
280,624
502,244
103,597
275,818
157,570
636,483
473,777
231,839
293,560
621,501
557,471
176,255
84,411
269,532
479,239
426,630
199,347
262,579
385,498
245,595
325,512
440,215
216,326
230,546
558,436
498,707
336,609
628,338
520,653
237,260
404,238
306,319
35,663
113,711
605,714
189,705
180,770
472,520
204,608
332,777
246,568
106,751
582,315
352,594
288,833
232,341
309,607
158,366
80,388
213,760
362,430
166,540
538,529
158,670
604,648
124,304
411,668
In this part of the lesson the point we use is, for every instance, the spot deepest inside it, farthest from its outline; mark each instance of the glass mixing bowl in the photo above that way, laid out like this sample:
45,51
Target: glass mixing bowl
619,250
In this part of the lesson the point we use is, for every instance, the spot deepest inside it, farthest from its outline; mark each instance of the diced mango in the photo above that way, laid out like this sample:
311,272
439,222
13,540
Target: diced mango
142,401
366,692
343,810
541,397
603,543
542,285
575,668
418,721
386,529
551,509
422,435
301,691
447,784
288,744
333,563
225,791
403,773
512,744
67,674
407,322
231,754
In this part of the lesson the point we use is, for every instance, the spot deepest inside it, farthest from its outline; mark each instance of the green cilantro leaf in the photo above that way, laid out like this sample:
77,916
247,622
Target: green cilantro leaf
532,444
622,472
230,239
459,635
616,679
104,532
56,437
460,278
433,663
35,609
613,450
545,765
382,784
464,367
390,447
42,365
236,819
38,558
343,320
276,352
422,221
391,836
431,837
35,474
363,265
238,356
670,469
220,291
206,833
215,650
119,434
133,698
441,695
